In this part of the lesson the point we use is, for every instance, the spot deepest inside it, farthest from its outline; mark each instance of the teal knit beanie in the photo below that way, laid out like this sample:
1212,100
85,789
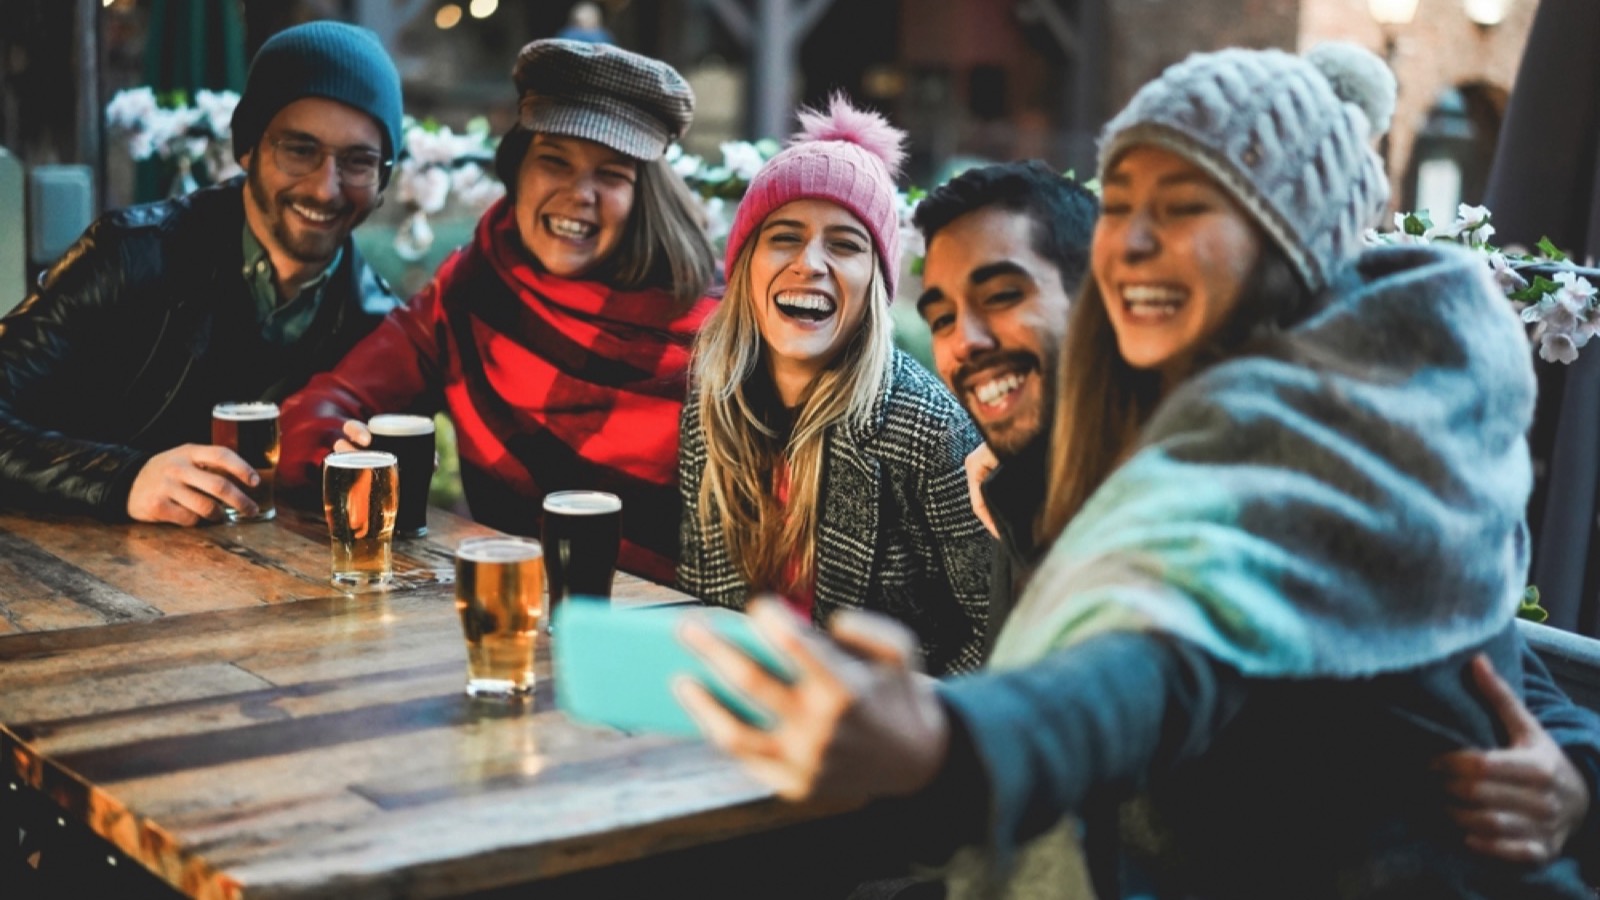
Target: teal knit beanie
321,59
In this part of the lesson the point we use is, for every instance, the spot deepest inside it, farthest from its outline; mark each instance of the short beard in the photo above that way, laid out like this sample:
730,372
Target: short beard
279,225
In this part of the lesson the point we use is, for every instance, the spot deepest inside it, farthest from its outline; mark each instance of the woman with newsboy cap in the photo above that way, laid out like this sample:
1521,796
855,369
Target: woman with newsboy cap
558,340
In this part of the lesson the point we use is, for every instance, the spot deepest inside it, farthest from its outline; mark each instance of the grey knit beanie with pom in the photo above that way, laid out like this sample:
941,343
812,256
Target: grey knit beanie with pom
1290,137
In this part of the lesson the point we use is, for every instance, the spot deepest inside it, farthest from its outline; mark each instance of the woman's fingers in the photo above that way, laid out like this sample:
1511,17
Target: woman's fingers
356,433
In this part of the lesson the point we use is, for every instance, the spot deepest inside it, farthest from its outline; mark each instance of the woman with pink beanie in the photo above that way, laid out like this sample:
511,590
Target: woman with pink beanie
817,461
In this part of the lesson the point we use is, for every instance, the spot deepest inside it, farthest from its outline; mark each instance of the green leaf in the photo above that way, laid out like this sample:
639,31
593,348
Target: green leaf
1416,223
916,265
915,194
1092,186
1550,250
1535,292
1530,608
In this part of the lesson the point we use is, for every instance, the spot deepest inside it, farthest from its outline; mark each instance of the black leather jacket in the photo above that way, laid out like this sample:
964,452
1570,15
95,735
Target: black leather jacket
134,334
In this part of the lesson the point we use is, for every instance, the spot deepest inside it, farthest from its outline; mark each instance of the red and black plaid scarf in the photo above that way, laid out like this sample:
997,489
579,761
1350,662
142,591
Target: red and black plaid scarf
565,385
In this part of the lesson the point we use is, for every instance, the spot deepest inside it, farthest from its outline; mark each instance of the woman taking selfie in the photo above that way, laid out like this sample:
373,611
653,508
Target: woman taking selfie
1286,511
558,340
818,461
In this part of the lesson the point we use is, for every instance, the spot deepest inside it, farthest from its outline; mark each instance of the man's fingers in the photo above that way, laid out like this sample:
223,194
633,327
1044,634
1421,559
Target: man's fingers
979,463
221,459
1518,850
877,638
344,446
1505,703
736,670
1498,824
718,723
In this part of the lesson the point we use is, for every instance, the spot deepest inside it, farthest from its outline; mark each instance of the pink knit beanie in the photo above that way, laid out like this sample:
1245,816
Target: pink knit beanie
847,155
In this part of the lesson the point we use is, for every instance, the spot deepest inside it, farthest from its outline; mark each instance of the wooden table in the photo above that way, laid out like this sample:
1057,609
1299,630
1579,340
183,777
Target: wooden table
241,729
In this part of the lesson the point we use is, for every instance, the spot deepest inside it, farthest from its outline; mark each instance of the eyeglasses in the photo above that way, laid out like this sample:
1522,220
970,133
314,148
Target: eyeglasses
299,157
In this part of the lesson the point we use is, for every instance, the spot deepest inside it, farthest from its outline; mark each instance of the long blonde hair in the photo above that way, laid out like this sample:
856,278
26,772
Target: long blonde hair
742,448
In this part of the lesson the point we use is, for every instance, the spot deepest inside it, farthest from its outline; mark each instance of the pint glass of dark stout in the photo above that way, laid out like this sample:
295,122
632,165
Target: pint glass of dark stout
582,533
499,586
410,439
359,490
250,430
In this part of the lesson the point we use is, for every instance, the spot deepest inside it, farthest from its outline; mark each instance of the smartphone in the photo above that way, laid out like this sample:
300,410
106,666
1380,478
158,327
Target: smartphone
616,666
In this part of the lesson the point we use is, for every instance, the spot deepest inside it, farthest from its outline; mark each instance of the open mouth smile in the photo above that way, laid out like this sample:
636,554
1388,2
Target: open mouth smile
806,306
993,392
570,229
1152,302
317,217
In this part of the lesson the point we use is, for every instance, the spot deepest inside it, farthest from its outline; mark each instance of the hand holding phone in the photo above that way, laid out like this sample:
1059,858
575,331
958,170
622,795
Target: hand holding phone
616,666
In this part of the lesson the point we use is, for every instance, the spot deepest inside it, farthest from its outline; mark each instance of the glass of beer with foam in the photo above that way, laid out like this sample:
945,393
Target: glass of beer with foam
582,537
499,587
410,439
250,430
360,490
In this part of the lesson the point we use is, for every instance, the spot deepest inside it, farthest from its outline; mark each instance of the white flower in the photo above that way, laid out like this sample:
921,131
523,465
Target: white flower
413,238
425,187
741,159
216,111
685,164
1576,290
472,187
1557,347
1507,278
129,109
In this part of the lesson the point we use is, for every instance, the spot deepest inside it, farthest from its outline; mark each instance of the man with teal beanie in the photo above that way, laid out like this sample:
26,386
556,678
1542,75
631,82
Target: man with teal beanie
240,291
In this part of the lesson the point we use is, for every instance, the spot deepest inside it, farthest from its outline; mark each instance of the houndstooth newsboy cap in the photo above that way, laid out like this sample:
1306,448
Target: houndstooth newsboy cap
1289,137
631,103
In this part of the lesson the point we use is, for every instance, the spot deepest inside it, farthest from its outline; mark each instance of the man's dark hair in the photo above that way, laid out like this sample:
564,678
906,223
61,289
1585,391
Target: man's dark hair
1063,212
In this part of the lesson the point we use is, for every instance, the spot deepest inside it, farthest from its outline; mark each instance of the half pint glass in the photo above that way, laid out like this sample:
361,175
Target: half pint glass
250,430
359,490
410,439
499,584
582,534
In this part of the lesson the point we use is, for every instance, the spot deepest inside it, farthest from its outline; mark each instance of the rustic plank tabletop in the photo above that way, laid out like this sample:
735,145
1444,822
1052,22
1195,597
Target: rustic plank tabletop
241,729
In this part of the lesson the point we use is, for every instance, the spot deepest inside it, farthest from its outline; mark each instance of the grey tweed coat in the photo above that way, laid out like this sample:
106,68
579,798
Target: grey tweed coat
897,534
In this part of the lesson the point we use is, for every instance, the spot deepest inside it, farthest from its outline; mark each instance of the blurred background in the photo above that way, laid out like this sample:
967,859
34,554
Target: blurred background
971,80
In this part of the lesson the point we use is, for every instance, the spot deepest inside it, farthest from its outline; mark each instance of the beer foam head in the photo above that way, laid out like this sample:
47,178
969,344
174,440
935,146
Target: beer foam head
499,549
359,459
391,425
245,412
582,503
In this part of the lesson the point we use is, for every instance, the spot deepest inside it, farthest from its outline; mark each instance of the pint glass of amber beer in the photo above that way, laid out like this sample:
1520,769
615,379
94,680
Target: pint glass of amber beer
582,535
250,430
359,492
410,439
499,584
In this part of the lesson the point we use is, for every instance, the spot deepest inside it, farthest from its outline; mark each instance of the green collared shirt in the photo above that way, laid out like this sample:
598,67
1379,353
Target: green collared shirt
282,323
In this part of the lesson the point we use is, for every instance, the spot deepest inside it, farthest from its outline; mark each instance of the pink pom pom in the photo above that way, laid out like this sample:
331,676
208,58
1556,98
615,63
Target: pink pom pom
862,127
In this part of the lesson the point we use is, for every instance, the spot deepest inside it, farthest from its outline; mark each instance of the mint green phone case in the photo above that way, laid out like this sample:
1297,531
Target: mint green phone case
616,666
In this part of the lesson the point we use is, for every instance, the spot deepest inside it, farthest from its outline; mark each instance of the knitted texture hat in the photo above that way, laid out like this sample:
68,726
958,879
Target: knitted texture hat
320,59
1288,136
602,93
846,155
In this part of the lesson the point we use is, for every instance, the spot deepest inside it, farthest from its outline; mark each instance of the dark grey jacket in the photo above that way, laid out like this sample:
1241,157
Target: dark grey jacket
134,334
897,534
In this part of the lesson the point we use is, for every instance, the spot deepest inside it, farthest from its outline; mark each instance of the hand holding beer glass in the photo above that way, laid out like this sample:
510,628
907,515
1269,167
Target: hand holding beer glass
582,535
499,584
359,492
250,430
